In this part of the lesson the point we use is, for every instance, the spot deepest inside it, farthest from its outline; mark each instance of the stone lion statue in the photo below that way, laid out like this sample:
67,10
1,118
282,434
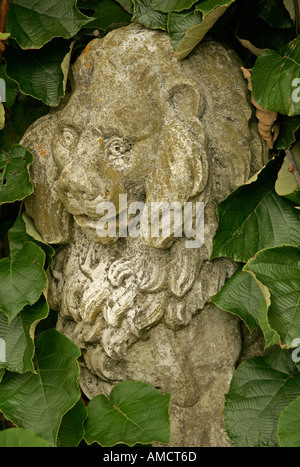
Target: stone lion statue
142,124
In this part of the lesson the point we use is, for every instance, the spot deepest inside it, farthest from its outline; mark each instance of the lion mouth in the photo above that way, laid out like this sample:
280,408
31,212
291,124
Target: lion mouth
87,222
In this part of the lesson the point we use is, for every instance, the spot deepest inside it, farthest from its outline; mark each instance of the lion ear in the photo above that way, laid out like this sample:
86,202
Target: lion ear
50,216
182,171
186,100
180,174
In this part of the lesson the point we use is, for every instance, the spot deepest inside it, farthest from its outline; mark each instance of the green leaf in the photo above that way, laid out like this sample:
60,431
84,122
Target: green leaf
39,73
38,401
207,6
135,413
288,127
34,23
23,231
211,11
259,391
289,425
11,87
241,296
144,14
2,371
290,6
279,270
127,5
20,438
17,236
255,217
15,183
19,334
108,15
25,111
275,84
286,184
4,36
271,337
179,24
167,6
71,430
22,279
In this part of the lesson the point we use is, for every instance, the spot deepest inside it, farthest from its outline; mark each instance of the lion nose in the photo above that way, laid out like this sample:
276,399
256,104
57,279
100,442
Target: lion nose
76,185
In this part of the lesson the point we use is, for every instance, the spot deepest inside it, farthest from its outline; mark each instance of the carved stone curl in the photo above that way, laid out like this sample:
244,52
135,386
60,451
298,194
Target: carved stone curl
142,124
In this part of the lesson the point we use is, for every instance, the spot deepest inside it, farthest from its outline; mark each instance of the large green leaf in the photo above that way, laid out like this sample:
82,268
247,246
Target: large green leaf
259,391
179,24
15,183
25,111
11,87
144,14
22,279
4,36
286,184
211,11
37,402
241,296
274,78
271,337
109,14
288,126
289,425
135,413
172,5
34,23
23,231
255,217
207,6
71,430
20,438
18,336
127,5
40,73
279,270
290,6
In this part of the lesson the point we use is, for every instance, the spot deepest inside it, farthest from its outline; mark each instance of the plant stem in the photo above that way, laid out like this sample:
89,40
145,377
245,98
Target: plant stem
21,207
3,15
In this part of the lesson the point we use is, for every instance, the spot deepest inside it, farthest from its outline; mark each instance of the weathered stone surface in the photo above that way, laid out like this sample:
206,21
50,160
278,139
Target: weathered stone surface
140,123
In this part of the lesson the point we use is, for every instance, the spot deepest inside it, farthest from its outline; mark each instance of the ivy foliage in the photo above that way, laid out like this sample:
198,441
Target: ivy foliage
259,227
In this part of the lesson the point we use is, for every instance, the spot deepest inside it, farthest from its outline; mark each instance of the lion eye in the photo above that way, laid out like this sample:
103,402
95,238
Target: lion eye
68,138
116,147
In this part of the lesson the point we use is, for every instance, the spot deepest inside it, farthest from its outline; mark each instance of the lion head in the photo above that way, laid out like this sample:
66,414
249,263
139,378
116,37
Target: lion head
142,124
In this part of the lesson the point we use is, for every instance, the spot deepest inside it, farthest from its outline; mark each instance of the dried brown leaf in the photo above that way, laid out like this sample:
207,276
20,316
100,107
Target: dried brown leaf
268,125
